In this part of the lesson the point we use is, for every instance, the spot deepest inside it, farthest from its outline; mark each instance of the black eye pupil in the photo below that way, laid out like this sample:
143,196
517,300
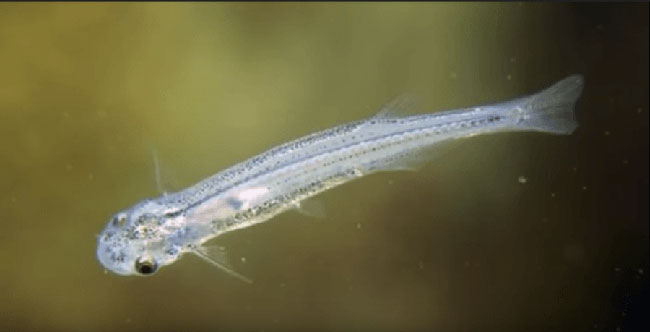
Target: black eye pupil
145,266
146,269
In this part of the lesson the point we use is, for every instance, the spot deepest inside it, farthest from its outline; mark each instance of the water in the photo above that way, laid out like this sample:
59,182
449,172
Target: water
88,90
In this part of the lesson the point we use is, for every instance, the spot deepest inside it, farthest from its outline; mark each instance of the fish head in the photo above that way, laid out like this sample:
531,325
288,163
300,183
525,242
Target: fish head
134,242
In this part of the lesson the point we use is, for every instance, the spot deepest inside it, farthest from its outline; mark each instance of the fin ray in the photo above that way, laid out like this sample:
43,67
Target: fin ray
216,255
398,107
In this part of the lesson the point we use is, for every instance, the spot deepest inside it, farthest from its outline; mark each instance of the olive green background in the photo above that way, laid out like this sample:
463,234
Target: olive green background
89,91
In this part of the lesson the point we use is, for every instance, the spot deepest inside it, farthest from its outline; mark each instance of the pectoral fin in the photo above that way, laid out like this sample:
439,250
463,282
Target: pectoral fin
162,186
217,256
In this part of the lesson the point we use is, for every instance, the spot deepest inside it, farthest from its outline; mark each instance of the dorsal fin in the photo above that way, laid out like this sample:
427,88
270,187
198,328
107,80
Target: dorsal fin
398,107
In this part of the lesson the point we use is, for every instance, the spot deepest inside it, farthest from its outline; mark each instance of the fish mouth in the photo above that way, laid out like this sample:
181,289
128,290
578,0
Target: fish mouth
112,259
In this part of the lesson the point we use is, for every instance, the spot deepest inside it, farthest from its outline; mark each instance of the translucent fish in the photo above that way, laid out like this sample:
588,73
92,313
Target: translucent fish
157,232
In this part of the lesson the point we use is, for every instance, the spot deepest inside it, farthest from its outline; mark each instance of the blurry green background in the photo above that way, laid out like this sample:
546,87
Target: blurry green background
88,91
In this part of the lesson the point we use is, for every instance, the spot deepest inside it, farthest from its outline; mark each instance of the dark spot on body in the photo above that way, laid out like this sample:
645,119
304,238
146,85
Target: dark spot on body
234,203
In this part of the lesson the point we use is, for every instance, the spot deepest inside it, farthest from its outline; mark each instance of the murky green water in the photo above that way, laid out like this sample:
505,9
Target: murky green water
88,90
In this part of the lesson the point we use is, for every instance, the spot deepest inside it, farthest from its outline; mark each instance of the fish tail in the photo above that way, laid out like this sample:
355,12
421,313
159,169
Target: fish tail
552,110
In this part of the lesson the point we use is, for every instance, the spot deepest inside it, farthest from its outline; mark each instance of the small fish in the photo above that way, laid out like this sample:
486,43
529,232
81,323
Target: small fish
157,232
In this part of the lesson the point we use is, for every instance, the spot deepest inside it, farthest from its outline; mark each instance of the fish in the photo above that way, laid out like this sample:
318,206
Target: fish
156,232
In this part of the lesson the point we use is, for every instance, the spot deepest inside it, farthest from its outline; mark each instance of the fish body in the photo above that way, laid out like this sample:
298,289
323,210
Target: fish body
156,232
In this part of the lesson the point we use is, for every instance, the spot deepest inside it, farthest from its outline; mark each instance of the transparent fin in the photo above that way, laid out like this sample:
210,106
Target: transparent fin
552,110
312,208
164,182
406,163
217,256
400,106
156,168
414,160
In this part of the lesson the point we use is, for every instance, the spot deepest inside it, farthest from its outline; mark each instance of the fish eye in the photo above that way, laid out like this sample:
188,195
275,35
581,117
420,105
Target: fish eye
145,265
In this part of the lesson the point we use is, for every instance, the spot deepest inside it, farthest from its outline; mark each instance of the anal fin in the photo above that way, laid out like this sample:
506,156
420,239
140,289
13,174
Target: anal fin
415,159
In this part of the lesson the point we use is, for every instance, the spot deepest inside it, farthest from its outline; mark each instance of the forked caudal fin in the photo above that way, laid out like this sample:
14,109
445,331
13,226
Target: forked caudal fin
552,110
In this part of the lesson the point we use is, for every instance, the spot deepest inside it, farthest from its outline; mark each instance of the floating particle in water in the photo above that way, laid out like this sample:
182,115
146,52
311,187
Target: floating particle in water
639,110
91,176
509,77
584,187
617,269
453,75
625,161
606,133
243,259
513,59
420,265
640,271
358,225
553,195
522,179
